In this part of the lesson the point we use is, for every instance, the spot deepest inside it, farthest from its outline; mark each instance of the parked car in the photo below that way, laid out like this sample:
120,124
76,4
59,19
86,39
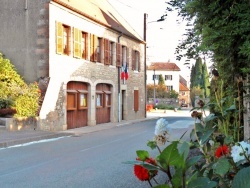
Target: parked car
184,105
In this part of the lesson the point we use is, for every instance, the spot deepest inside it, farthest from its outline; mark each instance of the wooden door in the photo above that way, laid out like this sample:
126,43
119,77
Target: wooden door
77,104
103,103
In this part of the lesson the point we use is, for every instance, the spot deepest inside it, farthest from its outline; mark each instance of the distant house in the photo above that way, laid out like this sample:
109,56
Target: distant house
169,71
184,95
173,79
76,51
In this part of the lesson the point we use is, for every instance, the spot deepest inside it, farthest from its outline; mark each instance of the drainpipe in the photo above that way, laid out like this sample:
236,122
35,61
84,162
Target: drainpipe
119,87
145,59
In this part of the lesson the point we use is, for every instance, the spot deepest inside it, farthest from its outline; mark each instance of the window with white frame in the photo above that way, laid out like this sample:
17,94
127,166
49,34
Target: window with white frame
168,77
169,88
156,77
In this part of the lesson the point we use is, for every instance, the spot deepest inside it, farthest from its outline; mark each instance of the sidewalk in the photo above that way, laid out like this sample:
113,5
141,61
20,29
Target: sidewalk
11,138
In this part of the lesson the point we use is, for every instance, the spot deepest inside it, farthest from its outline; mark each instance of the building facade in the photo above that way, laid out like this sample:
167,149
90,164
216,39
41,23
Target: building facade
76,51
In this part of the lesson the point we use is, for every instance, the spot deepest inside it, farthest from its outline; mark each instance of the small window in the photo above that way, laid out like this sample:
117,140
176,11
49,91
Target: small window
183,93
82,100
99,99
169,88
108,100
84,48
168,77
99,50
66,40
135,60
156,77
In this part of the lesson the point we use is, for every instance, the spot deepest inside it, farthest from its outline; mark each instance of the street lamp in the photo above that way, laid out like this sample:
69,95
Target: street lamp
145,53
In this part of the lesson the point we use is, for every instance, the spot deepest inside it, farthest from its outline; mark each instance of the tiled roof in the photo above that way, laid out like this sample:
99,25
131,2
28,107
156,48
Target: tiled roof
165,66
102,12
182,87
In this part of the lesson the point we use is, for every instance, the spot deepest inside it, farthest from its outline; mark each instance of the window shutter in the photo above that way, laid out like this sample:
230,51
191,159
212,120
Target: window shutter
95,48
92,47
118,55
139,62
136,100
59,38
133,60
86,46
77,43
127,58
106,52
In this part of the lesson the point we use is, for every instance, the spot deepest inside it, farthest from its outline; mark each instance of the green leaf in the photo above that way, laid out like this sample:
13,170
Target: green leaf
205,137
202,182
199,127
210,117
221,167
142,154
242,180
177,177
184,149
190,162
231,108
170,155
152,144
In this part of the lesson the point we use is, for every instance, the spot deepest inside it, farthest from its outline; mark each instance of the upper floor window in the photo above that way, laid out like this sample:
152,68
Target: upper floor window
99,49
156,77
62,38
136,60
84,44
66,40
111,52
124,55
168,77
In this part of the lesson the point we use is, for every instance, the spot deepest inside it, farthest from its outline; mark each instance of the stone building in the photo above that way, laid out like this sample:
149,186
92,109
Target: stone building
76,50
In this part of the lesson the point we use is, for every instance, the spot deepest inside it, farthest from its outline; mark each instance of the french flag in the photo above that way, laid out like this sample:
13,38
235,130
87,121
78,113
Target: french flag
124,73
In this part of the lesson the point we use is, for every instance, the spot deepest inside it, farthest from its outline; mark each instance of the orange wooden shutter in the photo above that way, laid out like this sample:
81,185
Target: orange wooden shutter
106,52
136,100
59,38
118,55
87,46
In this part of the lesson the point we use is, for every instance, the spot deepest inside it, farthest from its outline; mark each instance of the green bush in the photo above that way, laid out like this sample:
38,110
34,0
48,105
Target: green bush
164,106
13,88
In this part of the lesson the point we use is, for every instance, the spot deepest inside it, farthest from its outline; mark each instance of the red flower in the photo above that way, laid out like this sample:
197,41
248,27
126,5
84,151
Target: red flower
142,173
222,150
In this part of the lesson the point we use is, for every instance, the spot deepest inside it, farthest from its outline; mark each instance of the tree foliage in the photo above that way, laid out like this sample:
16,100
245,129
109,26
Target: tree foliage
161,80
218,29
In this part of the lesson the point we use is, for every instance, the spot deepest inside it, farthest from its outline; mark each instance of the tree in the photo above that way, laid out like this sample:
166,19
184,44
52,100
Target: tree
205,79
161,80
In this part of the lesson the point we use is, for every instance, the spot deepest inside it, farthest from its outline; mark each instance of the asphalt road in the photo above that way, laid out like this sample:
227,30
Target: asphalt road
91,160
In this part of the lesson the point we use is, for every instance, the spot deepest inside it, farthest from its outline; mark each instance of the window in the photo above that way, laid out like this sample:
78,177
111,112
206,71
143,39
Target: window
66,40
124,55
135,60
82,100
99,50
111,53
99,102
84,45
62,39
107,52
93,48
169,88
107,99
183,93
136,100
156,77
168,77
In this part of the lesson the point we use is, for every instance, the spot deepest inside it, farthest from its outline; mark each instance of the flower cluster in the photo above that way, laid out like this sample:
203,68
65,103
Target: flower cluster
142,173
240,151
221,151
161,131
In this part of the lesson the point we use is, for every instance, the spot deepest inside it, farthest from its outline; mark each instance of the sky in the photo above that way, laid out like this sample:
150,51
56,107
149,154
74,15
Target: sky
162,37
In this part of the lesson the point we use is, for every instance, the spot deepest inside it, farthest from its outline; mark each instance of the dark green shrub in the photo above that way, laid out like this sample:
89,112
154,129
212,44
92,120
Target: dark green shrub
164,107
